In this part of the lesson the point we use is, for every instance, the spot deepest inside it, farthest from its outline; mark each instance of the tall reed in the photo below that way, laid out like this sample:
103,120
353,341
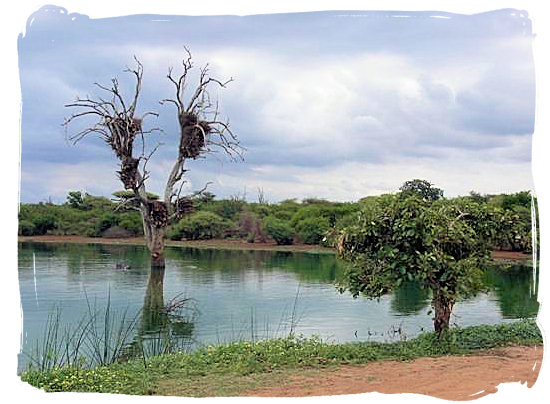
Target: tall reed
104,336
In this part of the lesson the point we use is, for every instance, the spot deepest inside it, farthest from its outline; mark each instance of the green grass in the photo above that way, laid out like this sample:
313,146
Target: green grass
225,370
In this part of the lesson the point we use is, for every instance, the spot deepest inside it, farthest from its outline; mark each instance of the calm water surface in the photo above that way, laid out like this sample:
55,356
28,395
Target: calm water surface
242,294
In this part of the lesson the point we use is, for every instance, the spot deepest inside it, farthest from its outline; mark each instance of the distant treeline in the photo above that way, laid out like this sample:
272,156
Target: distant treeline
310,221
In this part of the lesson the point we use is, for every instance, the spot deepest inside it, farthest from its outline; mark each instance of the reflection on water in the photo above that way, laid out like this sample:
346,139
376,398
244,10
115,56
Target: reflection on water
516,291
210,296
164,326
410,298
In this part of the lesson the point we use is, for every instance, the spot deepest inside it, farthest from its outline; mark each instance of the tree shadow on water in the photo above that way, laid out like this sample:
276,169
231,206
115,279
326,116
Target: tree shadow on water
164,327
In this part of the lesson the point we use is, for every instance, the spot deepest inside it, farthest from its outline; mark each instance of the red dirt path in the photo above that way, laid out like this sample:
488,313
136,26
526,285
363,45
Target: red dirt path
449,378
214,243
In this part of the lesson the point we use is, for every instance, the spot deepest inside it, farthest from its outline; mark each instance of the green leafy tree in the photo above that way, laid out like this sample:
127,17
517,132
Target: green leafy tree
422,188
90,202
440,244
514,220
42,224
74,199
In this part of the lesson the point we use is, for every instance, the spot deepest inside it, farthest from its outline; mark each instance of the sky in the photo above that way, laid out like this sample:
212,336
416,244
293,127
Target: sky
334,105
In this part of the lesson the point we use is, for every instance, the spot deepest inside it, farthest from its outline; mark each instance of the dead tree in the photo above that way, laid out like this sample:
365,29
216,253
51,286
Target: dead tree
118,125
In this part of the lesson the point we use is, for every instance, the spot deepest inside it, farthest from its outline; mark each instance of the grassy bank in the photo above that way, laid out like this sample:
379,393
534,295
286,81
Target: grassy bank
231,368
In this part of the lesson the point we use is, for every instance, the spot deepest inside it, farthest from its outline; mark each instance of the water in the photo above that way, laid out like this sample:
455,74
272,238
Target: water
241,294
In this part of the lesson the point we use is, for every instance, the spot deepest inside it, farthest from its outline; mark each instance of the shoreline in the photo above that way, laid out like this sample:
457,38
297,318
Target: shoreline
227,244
220,244
481,357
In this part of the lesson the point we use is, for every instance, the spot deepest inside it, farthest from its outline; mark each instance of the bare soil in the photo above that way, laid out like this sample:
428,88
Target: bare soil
449,377
215,243
511,255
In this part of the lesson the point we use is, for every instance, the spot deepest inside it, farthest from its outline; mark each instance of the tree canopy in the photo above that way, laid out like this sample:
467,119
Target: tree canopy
422,188
442,244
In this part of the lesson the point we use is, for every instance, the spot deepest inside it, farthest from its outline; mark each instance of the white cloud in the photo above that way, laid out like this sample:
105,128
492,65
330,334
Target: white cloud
457,175
390,106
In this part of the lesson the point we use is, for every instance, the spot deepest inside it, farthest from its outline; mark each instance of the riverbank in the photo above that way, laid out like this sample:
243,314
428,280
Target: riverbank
481,357
228,244
221,244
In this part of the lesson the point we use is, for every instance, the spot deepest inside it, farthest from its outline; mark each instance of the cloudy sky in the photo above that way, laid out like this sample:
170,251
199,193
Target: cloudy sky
335,105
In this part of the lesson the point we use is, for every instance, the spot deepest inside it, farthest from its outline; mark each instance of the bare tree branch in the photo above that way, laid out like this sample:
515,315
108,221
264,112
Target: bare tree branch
201,131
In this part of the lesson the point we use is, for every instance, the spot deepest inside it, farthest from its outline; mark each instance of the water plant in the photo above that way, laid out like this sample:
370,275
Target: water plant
103,336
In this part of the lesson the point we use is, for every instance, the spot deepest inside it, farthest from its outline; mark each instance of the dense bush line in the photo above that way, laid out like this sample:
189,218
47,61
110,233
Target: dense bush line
310,221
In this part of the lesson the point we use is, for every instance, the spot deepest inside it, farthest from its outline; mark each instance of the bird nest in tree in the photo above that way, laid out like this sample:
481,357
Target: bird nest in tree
123,131
128,171
193,135
183,206
158,213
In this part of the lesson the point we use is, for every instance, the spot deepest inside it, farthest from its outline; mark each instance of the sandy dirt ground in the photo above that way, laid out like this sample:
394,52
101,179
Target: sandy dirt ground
511,255
449,378
215,243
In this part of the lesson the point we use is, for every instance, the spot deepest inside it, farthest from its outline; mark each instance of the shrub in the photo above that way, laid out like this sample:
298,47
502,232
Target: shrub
44,223
132,223
228,209
173,233
26,228
312,230
279,230
106,221
199,226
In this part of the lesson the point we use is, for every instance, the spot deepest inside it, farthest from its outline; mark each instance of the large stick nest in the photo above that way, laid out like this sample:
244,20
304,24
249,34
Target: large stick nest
123,131
183,206
158,213
193,135
128,172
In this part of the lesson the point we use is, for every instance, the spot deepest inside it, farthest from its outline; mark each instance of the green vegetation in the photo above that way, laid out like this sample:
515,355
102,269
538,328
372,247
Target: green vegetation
279,230
199,226
82,215
441,244
208,370
311,221
414,243
423,189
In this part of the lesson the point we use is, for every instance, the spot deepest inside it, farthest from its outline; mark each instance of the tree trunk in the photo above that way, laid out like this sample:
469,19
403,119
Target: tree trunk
443,307
154,238
157,248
